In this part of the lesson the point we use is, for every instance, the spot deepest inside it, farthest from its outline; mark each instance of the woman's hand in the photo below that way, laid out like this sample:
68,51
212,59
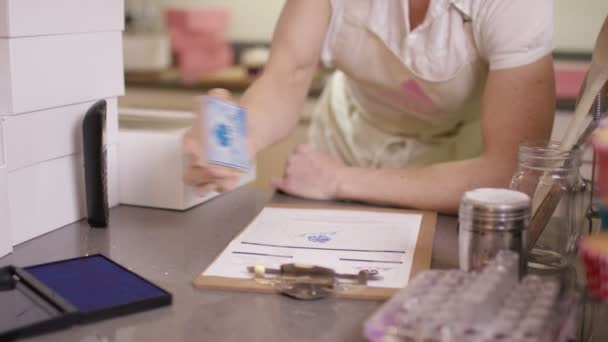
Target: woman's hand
311,174
207,177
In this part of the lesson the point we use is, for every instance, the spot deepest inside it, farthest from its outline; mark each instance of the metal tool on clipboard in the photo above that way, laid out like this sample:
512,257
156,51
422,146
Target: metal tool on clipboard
309,282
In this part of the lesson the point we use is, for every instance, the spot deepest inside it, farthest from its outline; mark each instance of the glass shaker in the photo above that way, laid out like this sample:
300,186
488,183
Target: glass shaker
546,173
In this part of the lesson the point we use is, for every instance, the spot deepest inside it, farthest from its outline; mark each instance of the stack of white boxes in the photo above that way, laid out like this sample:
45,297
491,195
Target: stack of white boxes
57,58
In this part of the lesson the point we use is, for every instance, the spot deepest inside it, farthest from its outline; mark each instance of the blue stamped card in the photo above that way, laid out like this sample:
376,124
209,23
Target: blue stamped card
225,127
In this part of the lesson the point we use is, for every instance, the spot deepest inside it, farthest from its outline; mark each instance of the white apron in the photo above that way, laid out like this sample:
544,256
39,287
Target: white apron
404,98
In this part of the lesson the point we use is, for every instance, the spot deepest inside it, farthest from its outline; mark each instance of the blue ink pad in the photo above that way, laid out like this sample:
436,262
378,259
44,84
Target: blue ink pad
59,294
95,285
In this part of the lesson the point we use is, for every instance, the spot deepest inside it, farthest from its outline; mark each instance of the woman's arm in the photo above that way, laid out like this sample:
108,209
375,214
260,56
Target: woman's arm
274,101
518,105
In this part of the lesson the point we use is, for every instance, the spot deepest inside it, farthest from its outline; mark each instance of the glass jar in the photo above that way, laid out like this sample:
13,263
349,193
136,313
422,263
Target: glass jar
547,174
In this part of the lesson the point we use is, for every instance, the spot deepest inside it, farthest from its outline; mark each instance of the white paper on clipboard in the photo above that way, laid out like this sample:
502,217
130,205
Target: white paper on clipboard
345,240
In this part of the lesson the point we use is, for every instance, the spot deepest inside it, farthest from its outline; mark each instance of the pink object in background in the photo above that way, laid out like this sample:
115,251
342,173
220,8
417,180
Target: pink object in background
199,40
594,250
568,83
196,63
209,20
184,41
600,146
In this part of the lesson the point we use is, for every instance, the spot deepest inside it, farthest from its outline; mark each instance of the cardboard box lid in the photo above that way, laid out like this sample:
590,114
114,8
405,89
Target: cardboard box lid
22,18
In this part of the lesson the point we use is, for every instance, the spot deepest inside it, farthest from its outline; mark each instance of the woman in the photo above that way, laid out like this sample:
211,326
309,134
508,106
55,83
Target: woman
431,98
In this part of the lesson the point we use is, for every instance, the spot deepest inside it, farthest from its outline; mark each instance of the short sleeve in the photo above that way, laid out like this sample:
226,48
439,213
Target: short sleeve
514,32
337,7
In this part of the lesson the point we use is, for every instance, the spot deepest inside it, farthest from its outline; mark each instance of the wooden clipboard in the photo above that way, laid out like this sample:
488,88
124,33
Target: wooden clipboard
421,261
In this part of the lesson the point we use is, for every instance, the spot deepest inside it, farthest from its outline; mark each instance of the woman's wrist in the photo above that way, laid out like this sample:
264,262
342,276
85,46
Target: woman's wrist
252,148
253,141
344,179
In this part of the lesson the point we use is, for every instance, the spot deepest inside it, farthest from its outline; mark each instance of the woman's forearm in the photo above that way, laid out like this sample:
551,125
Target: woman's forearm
274,103
518,106
275,100
437,187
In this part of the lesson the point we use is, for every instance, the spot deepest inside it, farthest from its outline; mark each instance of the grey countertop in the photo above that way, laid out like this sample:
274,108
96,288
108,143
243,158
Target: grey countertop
172,248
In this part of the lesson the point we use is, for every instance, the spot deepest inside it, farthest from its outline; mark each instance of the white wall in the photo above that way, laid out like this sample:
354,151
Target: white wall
577,22
252,20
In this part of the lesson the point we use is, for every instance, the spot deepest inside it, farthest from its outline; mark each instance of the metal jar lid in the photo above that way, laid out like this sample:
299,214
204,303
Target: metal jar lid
494,209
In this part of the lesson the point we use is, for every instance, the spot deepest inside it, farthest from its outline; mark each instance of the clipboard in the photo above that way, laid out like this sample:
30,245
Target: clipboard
420,262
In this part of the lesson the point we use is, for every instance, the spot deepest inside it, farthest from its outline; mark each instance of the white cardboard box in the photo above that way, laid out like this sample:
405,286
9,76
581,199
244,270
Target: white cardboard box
152,162
6,242
21,18
146,52
51,194
47,134
6,245
53,71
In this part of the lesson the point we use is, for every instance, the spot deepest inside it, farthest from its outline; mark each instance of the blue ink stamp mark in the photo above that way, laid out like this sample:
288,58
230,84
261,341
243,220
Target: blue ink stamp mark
222,133
319,237
224,128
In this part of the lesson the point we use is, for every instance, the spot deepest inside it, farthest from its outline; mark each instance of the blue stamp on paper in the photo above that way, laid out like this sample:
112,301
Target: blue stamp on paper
226,131
319,237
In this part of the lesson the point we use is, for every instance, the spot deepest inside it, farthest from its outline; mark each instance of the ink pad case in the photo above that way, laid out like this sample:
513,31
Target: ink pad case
57,295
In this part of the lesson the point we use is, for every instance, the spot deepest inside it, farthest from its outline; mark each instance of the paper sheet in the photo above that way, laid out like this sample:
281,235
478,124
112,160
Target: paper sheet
345,240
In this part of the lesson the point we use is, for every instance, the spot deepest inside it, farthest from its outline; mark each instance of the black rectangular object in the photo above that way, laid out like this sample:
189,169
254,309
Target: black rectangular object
59,294
35,308
95,164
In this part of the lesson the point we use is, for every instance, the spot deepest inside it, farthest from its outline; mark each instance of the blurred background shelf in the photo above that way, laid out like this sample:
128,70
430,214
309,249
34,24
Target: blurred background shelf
234,78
